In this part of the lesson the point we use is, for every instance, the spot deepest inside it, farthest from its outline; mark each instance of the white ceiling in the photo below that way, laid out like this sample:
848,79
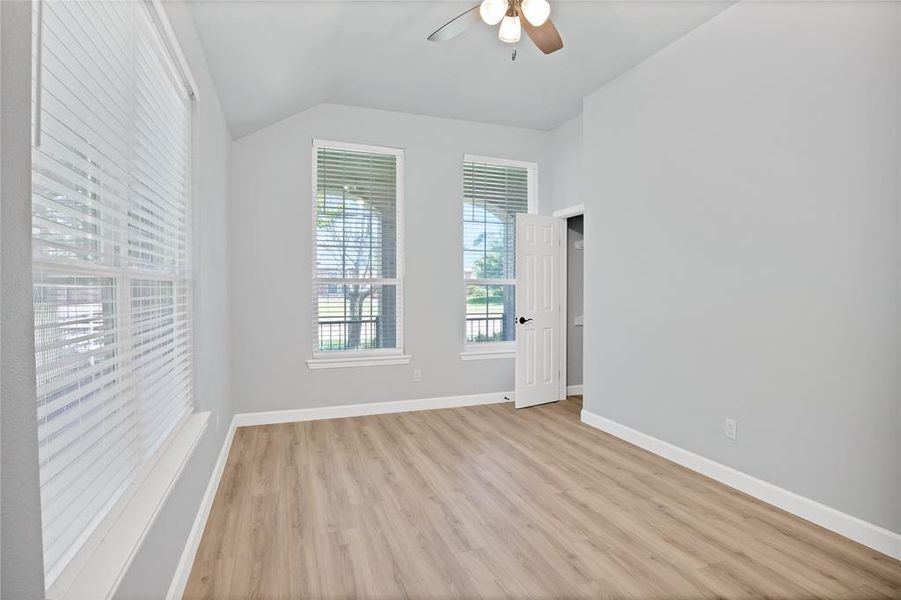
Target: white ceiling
271,59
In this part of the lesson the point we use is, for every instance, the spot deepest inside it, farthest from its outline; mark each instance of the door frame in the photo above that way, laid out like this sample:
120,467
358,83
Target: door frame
563,215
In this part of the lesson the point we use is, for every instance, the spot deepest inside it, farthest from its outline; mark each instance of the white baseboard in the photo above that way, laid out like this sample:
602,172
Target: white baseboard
272,417
872,536
183,571
574,390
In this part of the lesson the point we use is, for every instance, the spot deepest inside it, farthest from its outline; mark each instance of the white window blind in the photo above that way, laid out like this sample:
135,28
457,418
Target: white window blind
493,194
358,271
112,258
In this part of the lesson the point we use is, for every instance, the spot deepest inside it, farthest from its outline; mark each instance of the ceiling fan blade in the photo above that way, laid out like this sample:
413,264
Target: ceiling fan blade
456,26
546,37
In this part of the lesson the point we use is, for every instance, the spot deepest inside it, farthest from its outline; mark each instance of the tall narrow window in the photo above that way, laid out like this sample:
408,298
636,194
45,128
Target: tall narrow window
358,274
112,259
494,192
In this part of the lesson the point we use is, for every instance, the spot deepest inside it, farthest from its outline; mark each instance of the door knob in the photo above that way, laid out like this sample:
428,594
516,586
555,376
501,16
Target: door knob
523,320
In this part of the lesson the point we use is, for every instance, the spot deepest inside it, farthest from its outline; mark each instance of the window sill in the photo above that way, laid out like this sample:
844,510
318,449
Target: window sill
358,360
97,570
475,353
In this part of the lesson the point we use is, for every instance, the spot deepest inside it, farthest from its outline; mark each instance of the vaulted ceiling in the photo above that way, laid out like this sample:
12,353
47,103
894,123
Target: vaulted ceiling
271,59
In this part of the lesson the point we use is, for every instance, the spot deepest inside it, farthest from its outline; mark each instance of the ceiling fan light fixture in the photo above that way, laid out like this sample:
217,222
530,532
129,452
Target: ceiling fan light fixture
536,11
492,11
510,30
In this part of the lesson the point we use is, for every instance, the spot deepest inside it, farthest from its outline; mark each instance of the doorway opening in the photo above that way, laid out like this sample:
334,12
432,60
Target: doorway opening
573,309
571,289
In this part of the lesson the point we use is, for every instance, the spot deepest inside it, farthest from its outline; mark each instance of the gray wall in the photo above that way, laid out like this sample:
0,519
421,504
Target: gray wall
574,300
154,565
271,257
21,551
566,141
744,227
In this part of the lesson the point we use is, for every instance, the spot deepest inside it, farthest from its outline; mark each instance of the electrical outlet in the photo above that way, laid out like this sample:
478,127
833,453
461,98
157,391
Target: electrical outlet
731,428
417,375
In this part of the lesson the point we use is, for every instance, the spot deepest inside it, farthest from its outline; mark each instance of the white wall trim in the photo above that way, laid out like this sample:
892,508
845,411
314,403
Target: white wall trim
569,211
319,143
868,534
562,299
116,542
574,390
488,354
358,360
183,571
170,40
372,408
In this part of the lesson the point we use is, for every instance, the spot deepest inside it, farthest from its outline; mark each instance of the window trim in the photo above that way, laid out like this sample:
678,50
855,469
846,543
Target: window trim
488,350
98,567
495,350
170,40
353,358
372,356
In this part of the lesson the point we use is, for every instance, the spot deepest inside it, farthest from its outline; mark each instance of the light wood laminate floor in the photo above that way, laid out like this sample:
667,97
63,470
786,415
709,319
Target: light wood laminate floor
489,502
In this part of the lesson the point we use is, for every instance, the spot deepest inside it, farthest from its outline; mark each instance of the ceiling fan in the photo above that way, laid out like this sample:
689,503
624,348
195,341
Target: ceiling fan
514,16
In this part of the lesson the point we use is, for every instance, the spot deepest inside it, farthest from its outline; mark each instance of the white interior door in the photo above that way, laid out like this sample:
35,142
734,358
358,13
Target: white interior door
537,310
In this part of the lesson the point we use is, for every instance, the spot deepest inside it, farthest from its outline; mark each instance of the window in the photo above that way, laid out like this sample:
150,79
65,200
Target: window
111,201
357,238
494,192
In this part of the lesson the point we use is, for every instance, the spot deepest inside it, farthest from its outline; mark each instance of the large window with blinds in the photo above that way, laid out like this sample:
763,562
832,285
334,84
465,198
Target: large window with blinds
357,250
494,192
111,258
